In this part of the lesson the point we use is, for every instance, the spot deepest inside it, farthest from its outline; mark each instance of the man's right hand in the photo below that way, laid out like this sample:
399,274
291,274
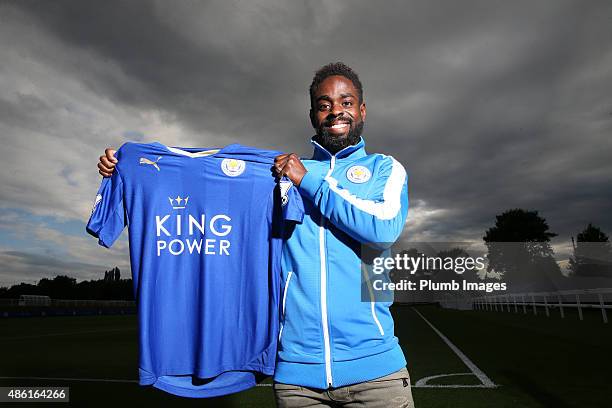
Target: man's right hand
107,162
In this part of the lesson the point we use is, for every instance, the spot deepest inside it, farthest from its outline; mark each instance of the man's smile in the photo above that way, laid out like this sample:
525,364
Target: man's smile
338,127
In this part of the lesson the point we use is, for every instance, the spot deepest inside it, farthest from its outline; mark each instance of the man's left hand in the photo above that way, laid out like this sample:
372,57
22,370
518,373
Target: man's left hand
290,165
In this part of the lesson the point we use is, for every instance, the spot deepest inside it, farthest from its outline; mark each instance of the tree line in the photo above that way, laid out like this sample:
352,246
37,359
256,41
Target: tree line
111,287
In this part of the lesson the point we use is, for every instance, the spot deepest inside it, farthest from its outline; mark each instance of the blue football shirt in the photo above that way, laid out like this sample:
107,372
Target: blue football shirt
205,235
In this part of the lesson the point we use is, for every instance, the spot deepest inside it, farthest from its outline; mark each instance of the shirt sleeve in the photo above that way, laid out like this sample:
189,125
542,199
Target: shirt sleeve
108,219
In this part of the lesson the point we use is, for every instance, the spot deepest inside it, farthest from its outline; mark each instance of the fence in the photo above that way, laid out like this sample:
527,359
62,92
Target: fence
566,299
64,307
72,303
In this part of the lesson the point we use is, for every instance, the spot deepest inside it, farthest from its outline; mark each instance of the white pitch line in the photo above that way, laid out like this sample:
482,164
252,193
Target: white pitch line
422,383
486,381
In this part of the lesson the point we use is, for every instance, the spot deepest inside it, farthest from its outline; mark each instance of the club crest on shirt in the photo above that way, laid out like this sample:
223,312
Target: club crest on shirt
233,167
358,174
284,190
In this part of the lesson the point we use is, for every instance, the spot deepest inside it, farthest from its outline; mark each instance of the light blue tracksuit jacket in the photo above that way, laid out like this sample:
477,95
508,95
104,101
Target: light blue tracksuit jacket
329,337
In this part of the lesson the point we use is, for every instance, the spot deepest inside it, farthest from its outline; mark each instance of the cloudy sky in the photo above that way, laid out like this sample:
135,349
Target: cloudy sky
489,105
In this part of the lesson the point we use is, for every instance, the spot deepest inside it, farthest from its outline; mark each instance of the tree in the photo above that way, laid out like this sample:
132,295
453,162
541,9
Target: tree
519,246
60,287
592,253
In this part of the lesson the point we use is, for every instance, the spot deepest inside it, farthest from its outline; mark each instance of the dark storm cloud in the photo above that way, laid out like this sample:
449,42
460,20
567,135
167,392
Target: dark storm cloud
490,105
246,86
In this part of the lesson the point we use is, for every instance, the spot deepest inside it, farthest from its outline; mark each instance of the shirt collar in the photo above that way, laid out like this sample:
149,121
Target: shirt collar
353,151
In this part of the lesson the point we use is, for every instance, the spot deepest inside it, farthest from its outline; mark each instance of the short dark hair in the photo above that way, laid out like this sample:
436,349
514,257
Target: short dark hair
335,68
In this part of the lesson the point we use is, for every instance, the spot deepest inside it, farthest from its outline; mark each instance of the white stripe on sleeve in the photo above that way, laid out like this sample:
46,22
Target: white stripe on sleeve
391,202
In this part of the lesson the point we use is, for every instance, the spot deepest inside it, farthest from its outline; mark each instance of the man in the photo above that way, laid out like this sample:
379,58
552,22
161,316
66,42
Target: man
335,349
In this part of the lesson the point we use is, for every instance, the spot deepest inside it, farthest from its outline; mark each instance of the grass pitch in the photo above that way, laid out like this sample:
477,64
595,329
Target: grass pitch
455,358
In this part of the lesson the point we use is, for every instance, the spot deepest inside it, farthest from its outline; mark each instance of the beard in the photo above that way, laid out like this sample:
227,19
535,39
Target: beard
334,143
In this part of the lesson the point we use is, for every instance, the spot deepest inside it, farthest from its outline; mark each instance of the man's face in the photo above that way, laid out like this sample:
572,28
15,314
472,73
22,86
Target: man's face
336,114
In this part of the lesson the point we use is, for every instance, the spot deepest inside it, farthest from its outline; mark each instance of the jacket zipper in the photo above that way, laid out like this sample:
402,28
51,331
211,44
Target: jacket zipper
327,348
289,275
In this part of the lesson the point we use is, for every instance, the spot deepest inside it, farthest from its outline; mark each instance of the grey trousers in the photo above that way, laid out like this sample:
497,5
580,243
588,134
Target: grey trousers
391,391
